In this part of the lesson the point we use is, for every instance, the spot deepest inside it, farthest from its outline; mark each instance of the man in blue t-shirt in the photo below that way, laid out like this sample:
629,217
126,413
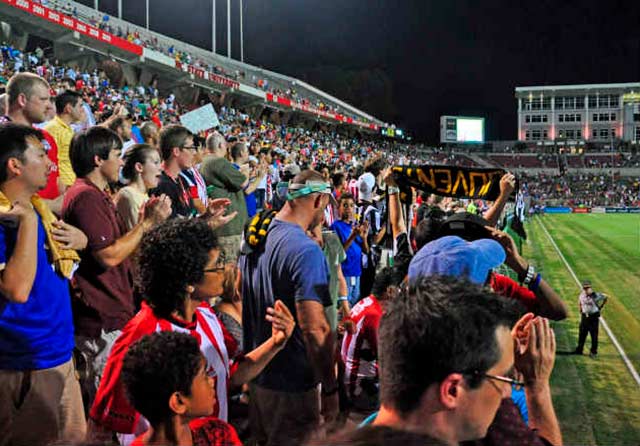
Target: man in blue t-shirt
40,399
289,266
354,242
241,161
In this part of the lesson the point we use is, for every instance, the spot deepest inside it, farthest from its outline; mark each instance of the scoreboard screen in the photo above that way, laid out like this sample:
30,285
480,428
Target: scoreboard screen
461,129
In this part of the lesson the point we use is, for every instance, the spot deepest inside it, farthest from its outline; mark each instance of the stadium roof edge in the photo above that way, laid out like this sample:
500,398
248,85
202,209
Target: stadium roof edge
198,51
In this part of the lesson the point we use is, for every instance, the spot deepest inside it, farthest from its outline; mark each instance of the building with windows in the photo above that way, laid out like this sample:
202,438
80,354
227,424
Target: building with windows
576,114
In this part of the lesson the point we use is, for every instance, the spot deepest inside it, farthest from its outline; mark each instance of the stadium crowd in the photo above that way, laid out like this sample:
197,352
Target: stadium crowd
143,38
588,190
254,284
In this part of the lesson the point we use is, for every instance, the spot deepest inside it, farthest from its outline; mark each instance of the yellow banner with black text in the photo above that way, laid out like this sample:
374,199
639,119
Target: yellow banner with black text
449,181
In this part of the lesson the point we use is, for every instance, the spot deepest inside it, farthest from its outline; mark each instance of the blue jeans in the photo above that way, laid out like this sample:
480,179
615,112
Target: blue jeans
353,285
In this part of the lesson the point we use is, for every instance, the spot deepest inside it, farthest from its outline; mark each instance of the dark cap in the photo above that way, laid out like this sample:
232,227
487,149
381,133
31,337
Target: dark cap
466,225
586,283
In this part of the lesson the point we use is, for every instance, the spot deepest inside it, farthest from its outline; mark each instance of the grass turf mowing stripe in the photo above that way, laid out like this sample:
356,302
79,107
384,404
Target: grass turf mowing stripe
623,354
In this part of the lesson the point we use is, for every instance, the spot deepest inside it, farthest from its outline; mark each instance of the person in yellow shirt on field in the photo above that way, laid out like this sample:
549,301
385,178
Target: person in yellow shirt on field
69,110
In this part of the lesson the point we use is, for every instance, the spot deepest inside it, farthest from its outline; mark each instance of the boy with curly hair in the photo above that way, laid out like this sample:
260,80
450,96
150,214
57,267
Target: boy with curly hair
166,380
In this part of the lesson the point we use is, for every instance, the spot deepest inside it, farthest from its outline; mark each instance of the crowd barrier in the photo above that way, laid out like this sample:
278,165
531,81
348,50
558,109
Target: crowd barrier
580,210
598,210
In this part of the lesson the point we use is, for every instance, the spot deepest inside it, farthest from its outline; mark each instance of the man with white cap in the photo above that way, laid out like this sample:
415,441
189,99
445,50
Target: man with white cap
368,212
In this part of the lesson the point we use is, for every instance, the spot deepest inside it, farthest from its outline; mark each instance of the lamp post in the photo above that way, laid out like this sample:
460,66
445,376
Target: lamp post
229,29
241,36
213,26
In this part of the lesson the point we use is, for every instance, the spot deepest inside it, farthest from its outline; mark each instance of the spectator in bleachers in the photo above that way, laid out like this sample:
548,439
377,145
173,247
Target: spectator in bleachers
353,237
181,268
455,396
28,103
150,134
69,110
286,402
229,183
240,157
40,398
142,169
177,150
103,282
166,378
121,125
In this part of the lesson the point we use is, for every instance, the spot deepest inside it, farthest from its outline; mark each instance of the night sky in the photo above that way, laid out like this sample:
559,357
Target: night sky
409,62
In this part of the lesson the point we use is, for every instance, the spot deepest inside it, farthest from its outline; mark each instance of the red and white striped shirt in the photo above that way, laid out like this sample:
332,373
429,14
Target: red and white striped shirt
354,189
111,408
359,350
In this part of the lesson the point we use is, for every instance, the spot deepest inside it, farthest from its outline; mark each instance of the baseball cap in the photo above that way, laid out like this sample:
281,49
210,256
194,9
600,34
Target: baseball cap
586,283
453,256
366,183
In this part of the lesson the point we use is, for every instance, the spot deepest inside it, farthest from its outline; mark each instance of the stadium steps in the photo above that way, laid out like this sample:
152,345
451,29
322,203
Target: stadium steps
479,160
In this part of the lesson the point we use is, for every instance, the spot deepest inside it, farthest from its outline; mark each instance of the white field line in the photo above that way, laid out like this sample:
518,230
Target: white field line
622,353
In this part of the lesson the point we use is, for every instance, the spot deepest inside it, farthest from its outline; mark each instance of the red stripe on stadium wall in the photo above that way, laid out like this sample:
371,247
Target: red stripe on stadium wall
207,75
75,25
285,101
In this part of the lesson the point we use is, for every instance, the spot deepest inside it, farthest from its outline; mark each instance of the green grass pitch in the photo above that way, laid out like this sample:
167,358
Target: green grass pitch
597,400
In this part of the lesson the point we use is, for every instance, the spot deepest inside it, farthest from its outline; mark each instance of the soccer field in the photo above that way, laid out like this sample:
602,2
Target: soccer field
597,400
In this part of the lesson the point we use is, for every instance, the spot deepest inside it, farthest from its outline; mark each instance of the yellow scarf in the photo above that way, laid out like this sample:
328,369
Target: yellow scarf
63,259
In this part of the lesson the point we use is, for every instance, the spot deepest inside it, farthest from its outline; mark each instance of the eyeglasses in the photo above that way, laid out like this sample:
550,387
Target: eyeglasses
220,264
194,148
516,385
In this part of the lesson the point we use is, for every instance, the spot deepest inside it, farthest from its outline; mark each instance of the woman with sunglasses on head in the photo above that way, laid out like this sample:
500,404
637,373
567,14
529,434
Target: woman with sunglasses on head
181,268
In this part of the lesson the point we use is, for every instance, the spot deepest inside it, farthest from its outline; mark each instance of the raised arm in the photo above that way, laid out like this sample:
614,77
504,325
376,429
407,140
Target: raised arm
507,186
535,357
550,304
398,225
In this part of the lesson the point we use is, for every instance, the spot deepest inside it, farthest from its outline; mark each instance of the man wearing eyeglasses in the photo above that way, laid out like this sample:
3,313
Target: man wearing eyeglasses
447,362
177,150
